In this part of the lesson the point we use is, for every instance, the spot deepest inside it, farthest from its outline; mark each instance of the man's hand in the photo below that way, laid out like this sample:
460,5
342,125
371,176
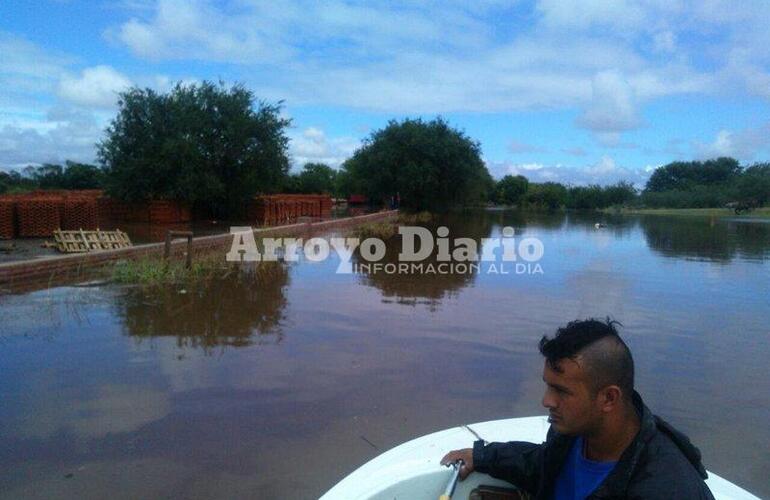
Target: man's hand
466,455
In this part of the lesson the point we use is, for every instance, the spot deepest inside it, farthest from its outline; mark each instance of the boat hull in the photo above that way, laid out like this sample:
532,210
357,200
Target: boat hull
411,471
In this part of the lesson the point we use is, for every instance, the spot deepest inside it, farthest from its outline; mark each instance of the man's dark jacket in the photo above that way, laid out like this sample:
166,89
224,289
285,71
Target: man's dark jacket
659,463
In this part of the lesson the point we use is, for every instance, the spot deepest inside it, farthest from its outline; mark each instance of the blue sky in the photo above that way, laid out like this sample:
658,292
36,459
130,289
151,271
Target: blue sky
573,91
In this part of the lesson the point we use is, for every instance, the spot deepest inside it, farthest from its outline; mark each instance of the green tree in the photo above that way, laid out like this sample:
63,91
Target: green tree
683,176
510,189
317,178
430,164
754,184
548,195
81,176
597,197
202,143
47,176
585,197
622,193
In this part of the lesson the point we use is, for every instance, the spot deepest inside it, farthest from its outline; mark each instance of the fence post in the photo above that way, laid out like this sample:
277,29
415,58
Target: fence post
182,234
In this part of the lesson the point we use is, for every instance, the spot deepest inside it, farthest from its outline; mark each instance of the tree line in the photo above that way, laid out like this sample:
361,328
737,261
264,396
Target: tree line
216,146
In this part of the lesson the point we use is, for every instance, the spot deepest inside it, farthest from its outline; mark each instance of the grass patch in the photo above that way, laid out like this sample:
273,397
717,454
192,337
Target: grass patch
411,219
157,272
381,230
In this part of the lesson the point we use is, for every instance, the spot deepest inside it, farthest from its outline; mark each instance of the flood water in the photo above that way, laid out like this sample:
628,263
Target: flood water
277,385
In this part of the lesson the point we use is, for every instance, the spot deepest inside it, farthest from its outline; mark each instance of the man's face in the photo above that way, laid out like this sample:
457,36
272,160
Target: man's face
572,408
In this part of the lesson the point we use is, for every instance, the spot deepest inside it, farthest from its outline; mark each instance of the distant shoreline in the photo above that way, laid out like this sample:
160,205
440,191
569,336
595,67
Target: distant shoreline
763,212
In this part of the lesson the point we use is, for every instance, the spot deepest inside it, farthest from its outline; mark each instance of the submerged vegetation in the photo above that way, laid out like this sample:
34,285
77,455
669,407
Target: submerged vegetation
411,219
158,272
387,229
382,230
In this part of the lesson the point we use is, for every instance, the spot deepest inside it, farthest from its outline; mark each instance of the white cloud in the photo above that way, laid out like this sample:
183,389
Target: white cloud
50,114
527,166
603,172
314,146
743,145
98,87
612,108
54,143
418,57
27,72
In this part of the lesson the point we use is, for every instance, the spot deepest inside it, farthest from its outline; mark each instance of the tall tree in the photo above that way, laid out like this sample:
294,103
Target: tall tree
510,189
317,178
754,184
429,164
683,176
202,143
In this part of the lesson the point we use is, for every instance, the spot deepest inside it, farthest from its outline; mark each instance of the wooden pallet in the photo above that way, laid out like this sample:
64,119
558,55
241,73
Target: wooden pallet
80,241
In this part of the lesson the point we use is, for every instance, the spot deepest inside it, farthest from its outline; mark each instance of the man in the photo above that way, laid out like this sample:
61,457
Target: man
603,441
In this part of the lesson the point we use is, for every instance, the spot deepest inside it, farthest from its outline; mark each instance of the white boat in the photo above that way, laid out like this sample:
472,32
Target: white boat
411,471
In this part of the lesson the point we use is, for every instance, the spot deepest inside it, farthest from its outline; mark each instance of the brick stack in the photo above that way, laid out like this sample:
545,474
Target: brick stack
326,206
286,208
80,212
167,212
153,211
39,215
7,218
104,210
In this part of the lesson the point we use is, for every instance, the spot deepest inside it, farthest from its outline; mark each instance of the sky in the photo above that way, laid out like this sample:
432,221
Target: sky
574,91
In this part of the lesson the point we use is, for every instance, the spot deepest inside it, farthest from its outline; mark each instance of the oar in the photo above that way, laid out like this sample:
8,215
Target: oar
450,487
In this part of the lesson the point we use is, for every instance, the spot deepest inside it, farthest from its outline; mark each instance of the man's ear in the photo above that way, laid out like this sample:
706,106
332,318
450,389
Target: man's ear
610,398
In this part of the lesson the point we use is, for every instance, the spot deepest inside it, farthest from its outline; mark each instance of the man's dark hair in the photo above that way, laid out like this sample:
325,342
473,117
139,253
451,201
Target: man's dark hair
603,353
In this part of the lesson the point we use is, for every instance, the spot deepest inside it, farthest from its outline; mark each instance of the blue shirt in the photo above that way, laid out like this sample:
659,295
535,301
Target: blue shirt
579,477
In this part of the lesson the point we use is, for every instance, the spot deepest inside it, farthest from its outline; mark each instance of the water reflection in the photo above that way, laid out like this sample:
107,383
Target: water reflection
241,308
431,287
709,239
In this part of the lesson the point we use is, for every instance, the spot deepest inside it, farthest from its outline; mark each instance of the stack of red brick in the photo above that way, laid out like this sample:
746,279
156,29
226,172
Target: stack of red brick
81,211
276,209
7,218
40,213
153,211
168,212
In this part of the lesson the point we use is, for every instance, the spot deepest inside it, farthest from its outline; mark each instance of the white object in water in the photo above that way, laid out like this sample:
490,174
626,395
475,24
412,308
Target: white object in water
411,471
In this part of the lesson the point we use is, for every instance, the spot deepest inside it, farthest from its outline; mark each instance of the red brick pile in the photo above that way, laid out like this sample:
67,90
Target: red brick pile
7,218
80,212
39,215
277,209
124,211
153,212
168,212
